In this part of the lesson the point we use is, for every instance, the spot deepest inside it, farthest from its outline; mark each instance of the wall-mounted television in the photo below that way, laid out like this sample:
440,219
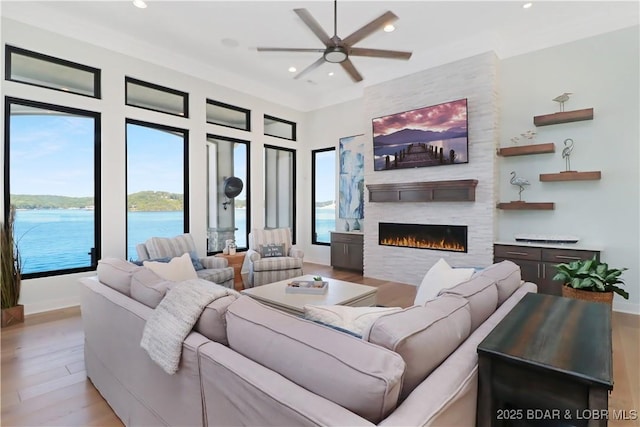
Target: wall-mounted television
428,136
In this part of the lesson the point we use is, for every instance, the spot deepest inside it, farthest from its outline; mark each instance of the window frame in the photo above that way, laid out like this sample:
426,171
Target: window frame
314,238
247,187
148,85
294,127
97,249
293,189
185,167
246,111
9,49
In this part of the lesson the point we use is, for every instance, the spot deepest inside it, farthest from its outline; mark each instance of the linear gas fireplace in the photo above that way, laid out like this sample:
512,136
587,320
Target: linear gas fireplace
451,238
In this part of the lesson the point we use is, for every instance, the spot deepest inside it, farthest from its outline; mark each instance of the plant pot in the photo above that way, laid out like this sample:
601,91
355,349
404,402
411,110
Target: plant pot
605,297
12,315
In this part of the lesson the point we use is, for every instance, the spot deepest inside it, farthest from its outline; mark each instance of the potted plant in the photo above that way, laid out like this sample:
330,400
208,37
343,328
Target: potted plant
317,281
12,312
590,280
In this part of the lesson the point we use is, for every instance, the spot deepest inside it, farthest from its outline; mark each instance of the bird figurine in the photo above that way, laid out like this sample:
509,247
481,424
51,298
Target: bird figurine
530,134
566,153
520,182
561,99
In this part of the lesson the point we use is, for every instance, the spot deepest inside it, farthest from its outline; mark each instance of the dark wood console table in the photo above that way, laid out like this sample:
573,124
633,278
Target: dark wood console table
547,363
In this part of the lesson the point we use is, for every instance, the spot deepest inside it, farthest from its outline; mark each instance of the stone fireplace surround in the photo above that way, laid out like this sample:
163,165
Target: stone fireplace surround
474,78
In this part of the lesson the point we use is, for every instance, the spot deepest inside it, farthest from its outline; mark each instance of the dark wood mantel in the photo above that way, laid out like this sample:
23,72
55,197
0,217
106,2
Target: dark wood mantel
462,190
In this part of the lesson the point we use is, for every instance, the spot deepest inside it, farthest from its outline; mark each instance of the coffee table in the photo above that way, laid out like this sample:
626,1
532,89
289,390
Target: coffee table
338,293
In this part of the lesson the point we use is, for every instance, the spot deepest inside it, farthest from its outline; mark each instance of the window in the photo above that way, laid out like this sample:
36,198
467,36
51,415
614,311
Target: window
228,115
157,183
323,195
157,98
280,188
42,70
228,217
52,176
279,128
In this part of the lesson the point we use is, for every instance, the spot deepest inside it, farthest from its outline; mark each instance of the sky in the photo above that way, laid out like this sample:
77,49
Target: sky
53,154
436,118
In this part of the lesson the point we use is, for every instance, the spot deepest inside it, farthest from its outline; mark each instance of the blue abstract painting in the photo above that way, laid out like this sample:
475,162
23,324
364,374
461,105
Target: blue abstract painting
351,186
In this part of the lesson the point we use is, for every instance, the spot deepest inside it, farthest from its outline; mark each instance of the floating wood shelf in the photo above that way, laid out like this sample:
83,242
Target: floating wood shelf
571,176
563,117
463,190
522,150
517,205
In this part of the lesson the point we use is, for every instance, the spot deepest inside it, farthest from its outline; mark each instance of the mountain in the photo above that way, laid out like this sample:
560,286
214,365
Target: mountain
30,201
406,136
147,201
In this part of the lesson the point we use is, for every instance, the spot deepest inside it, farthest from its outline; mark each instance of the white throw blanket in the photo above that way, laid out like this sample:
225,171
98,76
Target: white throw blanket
174,317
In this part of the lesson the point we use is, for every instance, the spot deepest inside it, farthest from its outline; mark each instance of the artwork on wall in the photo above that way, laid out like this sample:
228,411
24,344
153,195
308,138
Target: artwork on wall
428,136
351,179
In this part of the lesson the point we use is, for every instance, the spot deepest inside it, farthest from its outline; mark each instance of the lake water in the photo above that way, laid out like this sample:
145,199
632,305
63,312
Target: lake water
59,239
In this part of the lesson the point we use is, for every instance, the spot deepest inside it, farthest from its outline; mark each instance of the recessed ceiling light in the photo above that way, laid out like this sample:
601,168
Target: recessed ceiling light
331,73
292,69
140,4
527,5
388,28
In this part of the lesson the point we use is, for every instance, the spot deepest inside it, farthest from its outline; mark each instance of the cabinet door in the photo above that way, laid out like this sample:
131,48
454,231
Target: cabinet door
529,270
355,256
547,284
338,254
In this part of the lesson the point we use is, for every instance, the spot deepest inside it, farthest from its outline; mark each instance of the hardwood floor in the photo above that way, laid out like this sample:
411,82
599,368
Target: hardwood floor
44,382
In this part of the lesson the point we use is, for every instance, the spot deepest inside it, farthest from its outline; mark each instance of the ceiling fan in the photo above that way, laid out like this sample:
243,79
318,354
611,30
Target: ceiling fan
338,50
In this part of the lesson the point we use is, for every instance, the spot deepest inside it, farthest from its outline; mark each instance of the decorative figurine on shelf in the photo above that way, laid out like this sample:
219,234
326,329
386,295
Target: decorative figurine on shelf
566,153
530,134
561,99
520,182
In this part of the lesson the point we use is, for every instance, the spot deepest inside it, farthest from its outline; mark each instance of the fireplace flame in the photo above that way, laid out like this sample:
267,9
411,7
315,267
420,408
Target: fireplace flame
413,242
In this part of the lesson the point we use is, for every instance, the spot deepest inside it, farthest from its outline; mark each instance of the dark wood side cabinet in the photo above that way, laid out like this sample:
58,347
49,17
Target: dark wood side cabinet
547,363
537,262
347,250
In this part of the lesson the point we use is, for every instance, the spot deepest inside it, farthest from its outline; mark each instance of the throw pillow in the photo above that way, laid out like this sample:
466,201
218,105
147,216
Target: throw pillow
272,250
197,265
354,319
140,263
178,269
440,276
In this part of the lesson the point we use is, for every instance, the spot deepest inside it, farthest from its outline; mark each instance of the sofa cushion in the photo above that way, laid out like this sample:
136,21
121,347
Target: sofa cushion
161,247
482,294
277,263
354,319
217,275
148,288
357,375
213,322
506,274
116,273
178,269
423,335
440,276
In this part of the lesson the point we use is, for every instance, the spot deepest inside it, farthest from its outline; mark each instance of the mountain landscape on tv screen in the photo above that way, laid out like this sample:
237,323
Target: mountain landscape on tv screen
406,136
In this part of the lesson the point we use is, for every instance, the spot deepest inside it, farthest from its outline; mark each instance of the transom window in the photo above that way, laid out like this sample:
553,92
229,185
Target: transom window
279,128
222,114
25,66
155,97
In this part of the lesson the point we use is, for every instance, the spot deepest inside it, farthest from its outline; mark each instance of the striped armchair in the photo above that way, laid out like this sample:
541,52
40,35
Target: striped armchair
215,269
271,257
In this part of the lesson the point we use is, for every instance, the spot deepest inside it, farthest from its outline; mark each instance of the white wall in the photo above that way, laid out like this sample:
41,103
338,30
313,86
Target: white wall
602,72
59,291
323,129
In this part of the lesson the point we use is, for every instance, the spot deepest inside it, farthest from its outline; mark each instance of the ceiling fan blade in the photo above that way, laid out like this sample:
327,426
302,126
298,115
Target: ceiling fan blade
371,27
351,70
286,49
310,68
314,26
379,53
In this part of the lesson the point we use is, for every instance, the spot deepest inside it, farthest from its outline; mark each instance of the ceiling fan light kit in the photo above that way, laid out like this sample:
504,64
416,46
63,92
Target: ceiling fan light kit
338,50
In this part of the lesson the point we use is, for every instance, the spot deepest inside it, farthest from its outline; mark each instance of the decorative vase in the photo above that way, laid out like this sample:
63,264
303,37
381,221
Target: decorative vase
605,297
356,225
12,315
346,225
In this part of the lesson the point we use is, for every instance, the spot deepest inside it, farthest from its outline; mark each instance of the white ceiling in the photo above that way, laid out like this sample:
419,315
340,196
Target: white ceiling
189,36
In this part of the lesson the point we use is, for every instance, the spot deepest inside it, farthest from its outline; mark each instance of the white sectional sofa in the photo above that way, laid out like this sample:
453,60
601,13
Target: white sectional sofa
248,364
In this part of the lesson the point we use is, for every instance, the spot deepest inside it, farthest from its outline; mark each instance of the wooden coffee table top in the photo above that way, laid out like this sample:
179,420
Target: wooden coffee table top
338,293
